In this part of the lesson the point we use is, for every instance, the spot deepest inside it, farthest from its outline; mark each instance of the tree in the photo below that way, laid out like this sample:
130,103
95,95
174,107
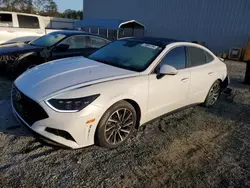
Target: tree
72,14
42,7
51,8
30,6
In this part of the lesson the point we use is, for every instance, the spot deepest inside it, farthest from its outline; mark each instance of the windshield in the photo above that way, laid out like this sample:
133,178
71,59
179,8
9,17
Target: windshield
48,40
127,54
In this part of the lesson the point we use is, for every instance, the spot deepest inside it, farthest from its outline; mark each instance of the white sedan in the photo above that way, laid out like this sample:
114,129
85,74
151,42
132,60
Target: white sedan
77,102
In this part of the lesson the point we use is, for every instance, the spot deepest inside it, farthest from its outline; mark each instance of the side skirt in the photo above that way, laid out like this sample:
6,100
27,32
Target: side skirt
170,113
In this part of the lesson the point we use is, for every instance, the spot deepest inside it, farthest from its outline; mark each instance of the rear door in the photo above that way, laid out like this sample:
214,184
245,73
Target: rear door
30,28
203,73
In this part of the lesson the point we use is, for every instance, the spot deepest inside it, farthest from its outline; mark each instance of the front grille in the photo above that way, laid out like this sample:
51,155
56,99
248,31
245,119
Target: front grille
26,108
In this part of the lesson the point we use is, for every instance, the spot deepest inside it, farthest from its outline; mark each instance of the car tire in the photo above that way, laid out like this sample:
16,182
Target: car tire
213,94
116,125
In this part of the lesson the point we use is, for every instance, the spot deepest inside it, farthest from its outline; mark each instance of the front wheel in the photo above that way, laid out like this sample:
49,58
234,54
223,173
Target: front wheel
116,125
213,94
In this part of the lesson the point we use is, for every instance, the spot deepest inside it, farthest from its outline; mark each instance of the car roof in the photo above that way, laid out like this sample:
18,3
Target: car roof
72,32
163,42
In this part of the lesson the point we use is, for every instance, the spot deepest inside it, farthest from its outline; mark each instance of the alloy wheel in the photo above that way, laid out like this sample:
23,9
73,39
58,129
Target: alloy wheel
214,93
119,126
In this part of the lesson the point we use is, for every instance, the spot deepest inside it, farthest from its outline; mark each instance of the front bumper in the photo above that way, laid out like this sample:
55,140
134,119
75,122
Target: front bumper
35,134
76,127
67,129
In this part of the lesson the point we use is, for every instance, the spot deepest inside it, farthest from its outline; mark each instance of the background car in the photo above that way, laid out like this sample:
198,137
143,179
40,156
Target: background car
101,99
18,57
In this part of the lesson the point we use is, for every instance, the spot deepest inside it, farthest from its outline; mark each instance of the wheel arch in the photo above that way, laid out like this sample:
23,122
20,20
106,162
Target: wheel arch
131,102
26,58
137,109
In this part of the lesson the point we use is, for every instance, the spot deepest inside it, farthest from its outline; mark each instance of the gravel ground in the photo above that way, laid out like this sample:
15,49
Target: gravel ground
197,147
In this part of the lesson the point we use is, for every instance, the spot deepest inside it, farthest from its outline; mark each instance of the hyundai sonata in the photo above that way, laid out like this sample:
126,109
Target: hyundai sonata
77,102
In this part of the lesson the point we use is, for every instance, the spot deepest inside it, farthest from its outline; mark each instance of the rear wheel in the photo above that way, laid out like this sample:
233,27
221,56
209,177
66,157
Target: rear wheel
213,94
116,125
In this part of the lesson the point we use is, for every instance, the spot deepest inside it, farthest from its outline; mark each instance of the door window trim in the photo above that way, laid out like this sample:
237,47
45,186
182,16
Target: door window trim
206,54
12,21
39,26
71,37
93,36
188,57
186,60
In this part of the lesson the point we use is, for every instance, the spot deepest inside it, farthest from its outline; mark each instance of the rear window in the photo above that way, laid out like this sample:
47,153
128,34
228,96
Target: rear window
127,54
209,57
6,20
97,42
28,22
196,57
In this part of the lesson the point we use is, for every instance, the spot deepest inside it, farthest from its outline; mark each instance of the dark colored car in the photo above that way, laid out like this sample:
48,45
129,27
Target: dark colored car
18,57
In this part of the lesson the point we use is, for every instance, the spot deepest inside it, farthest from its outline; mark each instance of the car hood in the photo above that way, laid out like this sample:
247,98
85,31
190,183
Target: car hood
18,48
50,79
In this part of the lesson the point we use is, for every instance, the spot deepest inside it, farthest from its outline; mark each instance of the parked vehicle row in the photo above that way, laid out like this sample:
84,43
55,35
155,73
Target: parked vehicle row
101,98
18,57
21,27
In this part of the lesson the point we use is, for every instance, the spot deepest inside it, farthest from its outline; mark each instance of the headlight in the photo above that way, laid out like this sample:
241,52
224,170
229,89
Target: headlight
71,105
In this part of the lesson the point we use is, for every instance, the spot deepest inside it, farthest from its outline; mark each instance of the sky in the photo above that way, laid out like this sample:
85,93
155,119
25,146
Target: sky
69,4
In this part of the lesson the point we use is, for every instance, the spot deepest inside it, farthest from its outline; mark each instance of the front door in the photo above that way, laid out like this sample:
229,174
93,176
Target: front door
171,91
77,47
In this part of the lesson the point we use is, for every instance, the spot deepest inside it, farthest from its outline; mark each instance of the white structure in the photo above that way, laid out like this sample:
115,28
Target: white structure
20,27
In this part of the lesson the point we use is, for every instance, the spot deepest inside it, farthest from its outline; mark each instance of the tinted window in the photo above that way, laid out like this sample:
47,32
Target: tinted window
48,40
209,57
28,21
127,54
75,42
196,56
176,58
97,42
6,20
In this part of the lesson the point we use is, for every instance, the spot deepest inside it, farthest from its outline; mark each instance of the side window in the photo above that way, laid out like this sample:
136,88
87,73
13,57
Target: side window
209,57
6,20
75,42
28,21
176,58
196,57
96,42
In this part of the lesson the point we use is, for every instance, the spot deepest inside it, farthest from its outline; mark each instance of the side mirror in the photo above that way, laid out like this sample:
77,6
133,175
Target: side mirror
62,47
166,70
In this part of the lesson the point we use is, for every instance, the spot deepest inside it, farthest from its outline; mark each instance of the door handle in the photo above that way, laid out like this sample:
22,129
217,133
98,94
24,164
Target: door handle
184,79
210,73
11,31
